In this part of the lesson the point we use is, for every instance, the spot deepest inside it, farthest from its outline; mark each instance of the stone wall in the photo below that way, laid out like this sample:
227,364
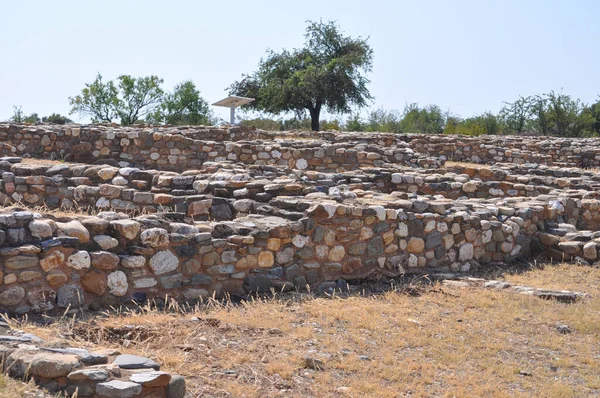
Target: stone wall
182,148
179,150
251,216
83,373
49,264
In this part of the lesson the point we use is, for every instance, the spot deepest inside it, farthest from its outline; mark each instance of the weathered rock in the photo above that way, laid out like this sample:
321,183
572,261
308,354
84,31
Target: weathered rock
106,242
53,259
128,229
163,262
51,366
127,361
151,379
118,389
74,229
94,281
155,237
104,260
117,283
133,261
79,260
11,295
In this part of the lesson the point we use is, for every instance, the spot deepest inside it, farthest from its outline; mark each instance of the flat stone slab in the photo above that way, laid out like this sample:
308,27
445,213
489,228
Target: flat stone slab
118,389
151,379
127,361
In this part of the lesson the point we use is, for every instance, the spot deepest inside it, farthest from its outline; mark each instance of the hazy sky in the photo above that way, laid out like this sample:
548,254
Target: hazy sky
466,56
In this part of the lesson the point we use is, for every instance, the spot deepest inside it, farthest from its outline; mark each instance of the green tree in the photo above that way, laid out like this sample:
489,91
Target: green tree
328,73
429,119
566,115
20,117
486,123
592,112
263,124
130,99
56,118
517,115
354,123
17,116
184,106
383,121
540,117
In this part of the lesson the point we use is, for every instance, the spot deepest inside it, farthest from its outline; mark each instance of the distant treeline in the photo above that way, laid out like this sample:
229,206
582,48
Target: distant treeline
554,113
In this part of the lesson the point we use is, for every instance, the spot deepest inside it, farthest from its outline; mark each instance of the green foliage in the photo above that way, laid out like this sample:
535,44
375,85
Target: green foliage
184,106
383,121
549,114
130,99
516,115
262,123
19,117
428,120
414,119
56,118
486,123
98,100
327,73
354,123
592,113
138,97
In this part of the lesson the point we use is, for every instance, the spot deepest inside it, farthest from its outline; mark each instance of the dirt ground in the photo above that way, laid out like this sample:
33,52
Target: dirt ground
432,341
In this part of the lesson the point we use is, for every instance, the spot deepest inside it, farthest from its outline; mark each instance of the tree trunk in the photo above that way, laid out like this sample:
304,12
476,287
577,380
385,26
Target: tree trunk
314,117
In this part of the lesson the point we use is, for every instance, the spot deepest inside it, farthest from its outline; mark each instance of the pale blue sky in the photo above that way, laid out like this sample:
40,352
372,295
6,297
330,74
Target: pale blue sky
466,56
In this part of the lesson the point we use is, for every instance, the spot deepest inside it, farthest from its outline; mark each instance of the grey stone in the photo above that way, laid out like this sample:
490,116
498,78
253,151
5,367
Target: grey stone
118,389
176,387
70,295
128,361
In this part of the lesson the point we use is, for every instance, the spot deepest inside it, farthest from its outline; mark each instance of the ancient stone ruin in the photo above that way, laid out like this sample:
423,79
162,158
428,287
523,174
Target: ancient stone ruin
193,212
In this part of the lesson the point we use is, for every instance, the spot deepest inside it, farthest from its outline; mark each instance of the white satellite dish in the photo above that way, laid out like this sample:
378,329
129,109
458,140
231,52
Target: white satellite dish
233,102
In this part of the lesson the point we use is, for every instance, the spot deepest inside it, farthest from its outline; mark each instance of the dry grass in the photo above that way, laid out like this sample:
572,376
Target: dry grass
10,388
43,162
447,342
450,163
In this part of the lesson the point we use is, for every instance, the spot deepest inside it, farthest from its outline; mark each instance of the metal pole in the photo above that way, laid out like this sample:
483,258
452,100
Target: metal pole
232,116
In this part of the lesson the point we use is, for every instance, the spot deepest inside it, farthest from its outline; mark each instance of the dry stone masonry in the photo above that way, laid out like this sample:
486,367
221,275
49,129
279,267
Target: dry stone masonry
195,212
82,373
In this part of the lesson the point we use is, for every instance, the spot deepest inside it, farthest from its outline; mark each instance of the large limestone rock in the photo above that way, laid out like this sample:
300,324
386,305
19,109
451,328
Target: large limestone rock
155,237
51,366
12,295
106,242
117,283
79,260
40,229
74,229
129,229
94,281
118,389
105,260
164,262
466,252
53,259
416,245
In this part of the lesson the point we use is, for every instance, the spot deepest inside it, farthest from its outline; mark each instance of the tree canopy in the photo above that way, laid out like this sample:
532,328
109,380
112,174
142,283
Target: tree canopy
130,99
183,106
327,73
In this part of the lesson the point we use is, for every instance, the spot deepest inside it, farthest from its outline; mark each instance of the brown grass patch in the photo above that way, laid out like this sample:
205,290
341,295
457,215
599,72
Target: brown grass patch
41,161
463,342
450,163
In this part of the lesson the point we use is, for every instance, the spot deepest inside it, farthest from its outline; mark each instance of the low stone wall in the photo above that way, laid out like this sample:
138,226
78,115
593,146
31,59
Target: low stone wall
180,149
183,148
82,373
108,260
